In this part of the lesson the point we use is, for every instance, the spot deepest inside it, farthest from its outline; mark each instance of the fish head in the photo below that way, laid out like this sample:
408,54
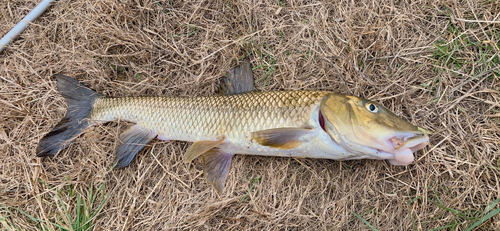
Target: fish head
365,127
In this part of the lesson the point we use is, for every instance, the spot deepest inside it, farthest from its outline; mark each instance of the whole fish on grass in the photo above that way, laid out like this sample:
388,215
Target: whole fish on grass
303,124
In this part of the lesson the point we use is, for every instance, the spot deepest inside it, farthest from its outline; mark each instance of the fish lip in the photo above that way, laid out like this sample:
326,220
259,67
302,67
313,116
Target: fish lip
414,141
399,141
404,147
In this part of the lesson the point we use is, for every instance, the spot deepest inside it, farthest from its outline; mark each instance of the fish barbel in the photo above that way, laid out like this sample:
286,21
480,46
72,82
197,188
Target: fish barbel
303,124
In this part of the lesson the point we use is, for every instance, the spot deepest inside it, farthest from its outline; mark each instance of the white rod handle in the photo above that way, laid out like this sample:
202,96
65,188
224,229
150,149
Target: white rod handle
37,11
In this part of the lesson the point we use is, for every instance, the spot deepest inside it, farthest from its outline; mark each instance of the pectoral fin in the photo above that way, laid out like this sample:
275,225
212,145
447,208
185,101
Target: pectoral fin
133,141
283,138
200,147
216,165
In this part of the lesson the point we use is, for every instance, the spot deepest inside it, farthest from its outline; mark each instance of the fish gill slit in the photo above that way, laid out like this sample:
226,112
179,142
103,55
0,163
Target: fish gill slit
321,120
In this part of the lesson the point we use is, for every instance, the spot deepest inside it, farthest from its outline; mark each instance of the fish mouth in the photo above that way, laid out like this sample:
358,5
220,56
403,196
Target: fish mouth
404,145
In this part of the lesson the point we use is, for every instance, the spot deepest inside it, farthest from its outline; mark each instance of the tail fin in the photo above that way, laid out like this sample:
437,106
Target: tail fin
80,100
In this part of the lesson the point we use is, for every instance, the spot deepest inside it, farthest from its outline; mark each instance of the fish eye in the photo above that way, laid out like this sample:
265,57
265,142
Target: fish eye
371,107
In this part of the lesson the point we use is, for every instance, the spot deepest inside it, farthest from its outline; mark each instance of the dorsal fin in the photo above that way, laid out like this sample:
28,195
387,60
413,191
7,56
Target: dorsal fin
239,80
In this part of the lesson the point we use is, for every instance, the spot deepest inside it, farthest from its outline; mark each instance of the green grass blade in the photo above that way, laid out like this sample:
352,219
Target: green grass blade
254,182
444,227
7,225
487,216
79,213
29,216
491,206
365,221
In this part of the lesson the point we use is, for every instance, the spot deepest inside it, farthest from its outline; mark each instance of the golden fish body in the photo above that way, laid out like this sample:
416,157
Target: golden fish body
232,118
313,124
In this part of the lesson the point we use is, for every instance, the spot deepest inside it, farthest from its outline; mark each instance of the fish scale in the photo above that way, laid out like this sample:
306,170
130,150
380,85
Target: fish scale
210,117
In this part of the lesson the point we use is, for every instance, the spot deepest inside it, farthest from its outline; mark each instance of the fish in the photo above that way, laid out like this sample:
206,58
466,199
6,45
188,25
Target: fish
300,124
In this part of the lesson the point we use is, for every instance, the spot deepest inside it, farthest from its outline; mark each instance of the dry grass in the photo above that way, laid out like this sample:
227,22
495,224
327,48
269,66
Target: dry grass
429,61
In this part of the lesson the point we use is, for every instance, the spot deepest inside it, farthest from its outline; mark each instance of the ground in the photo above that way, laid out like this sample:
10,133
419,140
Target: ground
434,63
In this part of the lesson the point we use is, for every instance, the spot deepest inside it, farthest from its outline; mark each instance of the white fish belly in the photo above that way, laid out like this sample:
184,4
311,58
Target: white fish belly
317,145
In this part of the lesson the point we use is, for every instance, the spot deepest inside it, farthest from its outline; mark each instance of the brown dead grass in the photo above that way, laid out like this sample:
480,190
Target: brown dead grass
135,47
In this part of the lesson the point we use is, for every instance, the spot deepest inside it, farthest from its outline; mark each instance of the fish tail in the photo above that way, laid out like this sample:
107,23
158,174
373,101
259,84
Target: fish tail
79,99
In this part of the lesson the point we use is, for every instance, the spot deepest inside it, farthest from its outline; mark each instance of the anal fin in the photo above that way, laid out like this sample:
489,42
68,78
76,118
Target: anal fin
283,138
216,165
199,148
133,141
